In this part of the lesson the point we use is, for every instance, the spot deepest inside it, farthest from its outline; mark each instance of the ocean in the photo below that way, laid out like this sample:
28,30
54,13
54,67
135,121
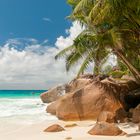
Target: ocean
22,106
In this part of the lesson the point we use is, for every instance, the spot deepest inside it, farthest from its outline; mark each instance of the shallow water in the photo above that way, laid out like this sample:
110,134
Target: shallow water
24,107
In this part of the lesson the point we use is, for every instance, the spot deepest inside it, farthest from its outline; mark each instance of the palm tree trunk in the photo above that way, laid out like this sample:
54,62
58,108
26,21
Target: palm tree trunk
96,68
133,70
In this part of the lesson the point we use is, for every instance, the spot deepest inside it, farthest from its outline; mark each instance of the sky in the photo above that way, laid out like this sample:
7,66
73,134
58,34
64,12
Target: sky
32,32
38,19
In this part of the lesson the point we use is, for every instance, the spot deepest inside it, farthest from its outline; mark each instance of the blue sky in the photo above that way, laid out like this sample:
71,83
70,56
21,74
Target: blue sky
39,19
32,32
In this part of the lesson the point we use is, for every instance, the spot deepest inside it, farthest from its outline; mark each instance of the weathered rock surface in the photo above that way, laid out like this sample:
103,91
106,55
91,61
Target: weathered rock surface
132,99
52,107
86,103
54,128
53,94
136,115
121,116
108,129
79,83
92,97
106,116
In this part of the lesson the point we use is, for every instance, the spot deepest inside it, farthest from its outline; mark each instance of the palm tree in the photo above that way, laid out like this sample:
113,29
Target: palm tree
120,19
112,26
88,49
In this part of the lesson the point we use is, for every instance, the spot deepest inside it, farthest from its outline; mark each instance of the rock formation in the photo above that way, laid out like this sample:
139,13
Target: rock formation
53,94
106,116
95,97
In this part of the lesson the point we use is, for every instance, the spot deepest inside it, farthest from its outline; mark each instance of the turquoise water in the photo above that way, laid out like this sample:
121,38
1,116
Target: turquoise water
22,106
20,93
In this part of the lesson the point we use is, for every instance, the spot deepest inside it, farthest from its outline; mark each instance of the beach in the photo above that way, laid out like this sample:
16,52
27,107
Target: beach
79,132
70,70
23,117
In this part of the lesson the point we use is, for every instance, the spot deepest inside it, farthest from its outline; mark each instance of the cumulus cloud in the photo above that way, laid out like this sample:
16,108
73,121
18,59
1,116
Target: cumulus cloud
28,64
74,30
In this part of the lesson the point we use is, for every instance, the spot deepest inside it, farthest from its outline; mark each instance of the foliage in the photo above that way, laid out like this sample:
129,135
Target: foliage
112,26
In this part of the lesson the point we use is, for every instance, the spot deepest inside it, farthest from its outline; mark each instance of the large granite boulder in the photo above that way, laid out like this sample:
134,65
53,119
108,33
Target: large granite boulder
55,93
107,129
92,96
79,83
85,103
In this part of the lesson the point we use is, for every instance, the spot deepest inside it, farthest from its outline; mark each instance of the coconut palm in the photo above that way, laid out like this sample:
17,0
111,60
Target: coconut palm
85,49
111,26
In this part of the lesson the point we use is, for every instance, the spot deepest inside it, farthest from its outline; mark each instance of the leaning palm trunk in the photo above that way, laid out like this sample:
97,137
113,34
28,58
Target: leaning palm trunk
96,68
133,70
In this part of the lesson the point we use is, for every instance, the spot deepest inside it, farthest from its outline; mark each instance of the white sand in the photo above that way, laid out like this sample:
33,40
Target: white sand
35,132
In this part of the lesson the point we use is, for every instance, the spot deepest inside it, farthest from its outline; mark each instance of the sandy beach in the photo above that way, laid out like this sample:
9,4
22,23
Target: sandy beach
79,132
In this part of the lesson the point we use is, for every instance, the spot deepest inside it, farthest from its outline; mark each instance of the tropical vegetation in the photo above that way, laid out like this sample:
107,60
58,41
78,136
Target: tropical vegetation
112,27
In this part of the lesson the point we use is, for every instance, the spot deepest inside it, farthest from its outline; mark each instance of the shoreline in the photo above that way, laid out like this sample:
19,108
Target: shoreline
79,132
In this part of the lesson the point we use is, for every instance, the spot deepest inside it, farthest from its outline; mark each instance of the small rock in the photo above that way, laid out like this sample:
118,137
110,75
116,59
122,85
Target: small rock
68,138
71,125
108,129
54,128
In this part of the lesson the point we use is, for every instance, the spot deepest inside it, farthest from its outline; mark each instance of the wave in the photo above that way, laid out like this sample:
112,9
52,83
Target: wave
23,110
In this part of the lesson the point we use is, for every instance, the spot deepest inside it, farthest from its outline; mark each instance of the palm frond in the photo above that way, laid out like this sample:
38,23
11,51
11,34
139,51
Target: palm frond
72,59
84,65
64,52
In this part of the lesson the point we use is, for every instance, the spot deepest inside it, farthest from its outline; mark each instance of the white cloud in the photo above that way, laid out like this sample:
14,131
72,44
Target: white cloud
63,42
27,64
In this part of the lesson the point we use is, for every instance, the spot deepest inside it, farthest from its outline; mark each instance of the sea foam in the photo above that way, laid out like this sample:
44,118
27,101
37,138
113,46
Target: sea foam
23,110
